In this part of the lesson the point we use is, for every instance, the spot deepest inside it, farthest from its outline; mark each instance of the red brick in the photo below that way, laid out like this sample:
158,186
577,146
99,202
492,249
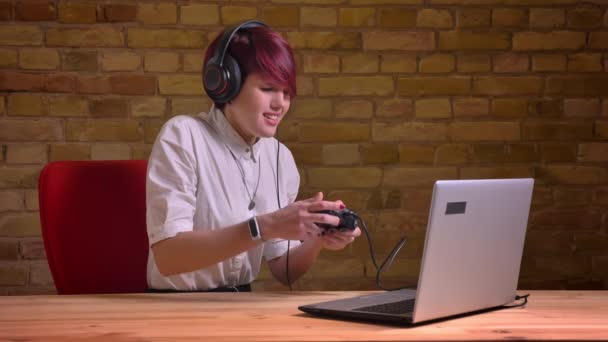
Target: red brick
133,84
58,83
35,11
117,13
110,108
17,81
6,10
93,85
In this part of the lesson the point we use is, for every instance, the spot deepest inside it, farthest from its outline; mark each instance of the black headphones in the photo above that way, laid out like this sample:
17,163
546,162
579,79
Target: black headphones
222,74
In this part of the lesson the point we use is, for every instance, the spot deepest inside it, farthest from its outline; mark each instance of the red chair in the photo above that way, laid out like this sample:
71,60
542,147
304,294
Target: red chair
93,217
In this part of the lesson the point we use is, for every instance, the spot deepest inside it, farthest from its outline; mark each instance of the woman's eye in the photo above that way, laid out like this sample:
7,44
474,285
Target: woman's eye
267,89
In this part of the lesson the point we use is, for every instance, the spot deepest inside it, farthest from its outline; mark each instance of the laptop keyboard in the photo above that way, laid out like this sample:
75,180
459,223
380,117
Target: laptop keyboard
400,307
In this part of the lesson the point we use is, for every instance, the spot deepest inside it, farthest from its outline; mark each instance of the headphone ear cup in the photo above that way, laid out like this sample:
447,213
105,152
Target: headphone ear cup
231,66
214,80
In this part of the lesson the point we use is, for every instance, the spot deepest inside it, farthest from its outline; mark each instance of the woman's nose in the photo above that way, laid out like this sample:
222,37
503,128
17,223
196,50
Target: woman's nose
278,100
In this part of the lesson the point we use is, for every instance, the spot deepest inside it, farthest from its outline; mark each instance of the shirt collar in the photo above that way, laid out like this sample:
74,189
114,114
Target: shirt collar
231,137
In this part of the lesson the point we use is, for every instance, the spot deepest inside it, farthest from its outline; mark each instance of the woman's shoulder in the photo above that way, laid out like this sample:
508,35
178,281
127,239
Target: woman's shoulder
185,124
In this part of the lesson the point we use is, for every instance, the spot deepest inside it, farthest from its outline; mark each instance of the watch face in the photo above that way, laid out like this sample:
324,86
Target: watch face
253,228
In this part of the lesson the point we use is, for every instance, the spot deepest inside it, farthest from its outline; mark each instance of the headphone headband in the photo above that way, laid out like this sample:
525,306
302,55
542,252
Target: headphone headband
222,73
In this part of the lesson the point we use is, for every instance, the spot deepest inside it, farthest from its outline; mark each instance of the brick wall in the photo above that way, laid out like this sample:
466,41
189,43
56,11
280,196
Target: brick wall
394,94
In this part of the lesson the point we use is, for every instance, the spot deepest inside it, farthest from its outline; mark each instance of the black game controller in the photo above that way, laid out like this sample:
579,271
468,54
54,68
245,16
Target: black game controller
348,220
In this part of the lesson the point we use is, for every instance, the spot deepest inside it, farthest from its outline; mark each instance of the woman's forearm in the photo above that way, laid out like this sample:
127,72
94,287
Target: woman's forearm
301,259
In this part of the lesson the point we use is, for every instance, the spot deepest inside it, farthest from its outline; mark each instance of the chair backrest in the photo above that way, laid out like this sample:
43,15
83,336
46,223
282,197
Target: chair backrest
93,217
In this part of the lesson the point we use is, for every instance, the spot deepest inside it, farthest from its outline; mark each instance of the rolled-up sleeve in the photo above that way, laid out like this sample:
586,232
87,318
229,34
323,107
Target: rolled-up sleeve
171,183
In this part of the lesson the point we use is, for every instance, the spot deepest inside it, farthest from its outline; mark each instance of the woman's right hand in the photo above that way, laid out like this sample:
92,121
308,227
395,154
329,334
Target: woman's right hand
297,220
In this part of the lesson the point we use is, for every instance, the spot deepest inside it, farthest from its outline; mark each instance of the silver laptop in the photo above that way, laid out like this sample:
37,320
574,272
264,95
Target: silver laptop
471,259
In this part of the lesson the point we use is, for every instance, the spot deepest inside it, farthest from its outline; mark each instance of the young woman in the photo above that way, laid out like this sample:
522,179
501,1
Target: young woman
221,190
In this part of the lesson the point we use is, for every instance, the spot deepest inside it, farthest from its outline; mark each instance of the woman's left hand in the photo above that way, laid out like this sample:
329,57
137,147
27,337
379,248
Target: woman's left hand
338,240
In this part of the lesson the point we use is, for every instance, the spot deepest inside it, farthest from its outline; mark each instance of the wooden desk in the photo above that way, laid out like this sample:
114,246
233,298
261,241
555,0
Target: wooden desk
264,316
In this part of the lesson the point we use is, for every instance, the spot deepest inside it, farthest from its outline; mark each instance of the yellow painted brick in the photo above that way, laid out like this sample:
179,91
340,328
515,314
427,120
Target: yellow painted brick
356,86
420,86
318,16
584,18
409,131
26,105
234,14
397,17
341,154
582,108
180,85
148,107
72,12
557,130
434,18
470,107
40,275
549,62
352,177
507,85
324,40
585,62
496,172
2,105
103,130
394,108
305,85
110,152
452,154
311,109
501,153
193,62
93,36
306,153
166,38
398,63
181,106
604,108
357,17
556,40
360,63
151,129
399,40
547,18
311,2
120,61
281,16
321,63
386,2
379,154
416,154
39,59
67,106
473,17
593,152
157,13
484,131
464,40
332,132
13,275
595,84
11,201
62,151
572,174
22,35
161,61
545,108
19,177
509,107
31,130
20,225
141,152
356,109
27,154
509,17
437,63
433,108
423,176
473,63
511,62
8,58
199,14
80,60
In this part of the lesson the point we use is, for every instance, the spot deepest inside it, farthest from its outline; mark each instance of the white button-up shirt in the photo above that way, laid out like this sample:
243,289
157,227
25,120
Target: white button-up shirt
194,183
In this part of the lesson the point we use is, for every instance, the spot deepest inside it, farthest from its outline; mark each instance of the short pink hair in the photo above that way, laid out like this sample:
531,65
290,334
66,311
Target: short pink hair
261,50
